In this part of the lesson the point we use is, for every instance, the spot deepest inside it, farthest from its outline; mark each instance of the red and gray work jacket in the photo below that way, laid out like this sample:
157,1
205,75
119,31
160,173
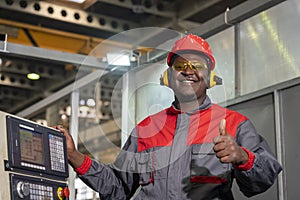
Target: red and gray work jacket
170,155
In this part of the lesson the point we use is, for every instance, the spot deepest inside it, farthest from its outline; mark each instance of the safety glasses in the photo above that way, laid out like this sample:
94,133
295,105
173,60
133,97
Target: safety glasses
181,65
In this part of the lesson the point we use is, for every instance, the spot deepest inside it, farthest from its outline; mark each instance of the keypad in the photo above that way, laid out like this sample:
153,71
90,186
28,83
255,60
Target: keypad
57,153
40,192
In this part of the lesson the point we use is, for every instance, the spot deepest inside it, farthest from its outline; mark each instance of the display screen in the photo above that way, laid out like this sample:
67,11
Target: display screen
31,144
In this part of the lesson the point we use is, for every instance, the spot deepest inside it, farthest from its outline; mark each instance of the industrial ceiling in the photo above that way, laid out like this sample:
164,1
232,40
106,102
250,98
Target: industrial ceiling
75,28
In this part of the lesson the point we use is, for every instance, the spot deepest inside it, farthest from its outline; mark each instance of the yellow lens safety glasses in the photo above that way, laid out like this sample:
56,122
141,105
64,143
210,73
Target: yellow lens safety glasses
181,65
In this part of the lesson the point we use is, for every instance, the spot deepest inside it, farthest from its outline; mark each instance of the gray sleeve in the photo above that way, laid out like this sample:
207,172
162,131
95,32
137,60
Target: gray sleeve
114,181
265,167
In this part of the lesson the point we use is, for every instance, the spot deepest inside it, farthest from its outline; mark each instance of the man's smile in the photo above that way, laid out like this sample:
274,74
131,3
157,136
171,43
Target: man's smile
188,80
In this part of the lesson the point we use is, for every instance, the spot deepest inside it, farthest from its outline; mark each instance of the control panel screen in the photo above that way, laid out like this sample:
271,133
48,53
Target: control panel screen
36,149
31,144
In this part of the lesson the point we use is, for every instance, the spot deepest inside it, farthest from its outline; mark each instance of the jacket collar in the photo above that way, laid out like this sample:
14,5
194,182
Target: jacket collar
206,104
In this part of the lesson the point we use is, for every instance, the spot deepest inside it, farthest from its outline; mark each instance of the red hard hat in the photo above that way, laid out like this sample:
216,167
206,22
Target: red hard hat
192,43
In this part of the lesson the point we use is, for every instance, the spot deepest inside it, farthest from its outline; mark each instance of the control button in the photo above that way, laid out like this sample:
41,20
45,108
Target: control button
66,192
60,193
23,189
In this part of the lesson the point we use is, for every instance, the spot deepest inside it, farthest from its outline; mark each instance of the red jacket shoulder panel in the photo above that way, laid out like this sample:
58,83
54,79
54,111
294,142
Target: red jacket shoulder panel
233,120
204,126
156,130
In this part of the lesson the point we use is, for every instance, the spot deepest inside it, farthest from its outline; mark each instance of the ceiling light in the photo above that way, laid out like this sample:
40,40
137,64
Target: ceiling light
82,102
63,116
91,102
84,109
33,76
118,59
77,1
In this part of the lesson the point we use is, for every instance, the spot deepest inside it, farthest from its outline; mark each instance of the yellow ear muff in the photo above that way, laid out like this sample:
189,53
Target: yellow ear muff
164,79
214,79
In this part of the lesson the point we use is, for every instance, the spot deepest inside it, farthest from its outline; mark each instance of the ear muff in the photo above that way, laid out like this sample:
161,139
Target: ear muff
213,80
165,78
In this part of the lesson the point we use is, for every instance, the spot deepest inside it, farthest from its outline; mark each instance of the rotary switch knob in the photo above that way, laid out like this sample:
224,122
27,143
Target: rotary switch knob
23,189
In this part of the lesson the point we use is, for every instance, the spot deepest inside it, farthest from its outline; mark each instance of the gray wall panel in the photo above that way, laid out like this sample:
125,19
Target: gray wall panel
261,113
290,128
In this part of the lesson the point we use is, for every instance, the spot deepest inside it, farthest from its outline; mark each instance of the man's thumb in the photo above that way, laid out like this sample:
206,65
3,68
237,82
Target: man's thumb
222,128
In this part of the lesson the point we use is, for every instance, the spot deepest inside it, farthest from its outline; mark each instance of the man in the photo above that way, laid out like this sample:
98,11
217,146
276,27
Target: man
191,150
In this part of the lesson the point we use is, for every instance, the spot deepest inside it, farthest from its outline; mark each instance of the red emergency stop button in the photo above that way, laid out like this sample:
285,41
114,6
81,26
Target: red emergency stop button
66,192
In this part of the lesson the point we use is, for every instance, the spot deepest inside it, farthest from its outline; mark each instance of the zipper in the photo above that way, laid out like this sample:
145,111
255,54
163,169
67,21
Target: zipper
138,190
170,155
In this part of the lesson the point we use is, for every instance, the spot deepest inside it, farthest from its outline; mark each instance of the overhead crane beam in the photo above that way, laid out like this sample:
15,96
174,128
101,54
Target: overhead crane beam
153,10
50,14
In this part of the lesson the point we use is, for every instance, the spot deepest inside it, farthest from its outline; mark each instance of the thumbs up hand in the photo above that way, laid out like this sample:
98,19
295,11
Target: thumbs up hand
222,127
227,150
